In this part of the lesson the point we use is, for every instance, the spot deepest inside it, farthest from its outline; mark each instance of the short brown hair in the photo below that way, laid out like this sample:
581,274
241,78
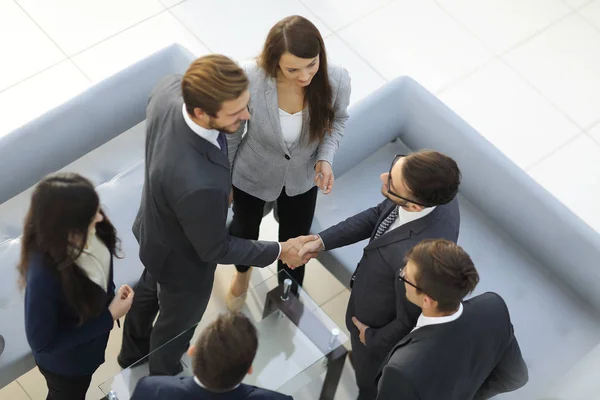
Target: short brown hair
432,177
210,81
444,271
225,351
301,38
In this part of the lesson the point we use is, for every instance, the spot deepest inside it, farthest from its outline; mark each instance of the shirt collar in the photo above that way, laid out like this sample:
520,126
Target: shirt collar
424,321
409,216
205,388
209,134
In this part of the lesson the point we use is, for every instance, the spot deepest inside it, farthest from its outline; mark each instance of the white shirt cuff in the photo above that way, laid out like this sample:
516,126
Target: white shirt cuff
278,254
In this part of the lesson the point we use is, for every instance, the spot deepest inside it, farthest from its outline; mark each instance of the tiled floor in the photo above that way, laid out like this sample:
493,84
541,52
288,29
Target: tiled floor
525,73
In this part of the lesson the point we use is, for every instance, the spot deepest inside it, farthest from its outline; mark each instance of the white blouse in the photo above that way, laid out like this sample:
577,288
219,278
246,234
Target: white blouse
291,126
95,261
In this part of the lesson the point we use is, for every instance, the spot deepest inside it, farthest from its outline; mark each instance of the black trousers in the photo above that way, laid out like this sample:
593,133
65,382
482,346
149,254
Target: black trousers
295,214
66,387
180,310
366,368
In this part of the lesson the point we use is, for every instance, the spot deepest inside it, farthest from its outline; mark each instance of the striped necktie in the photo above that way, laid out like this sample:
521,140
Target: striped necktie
385,224
222,140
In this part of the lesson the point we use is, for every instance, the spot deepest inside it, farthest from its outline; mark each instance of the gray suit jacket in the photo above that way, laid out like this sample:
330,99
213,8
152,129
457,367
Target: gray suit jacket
181,221
262,163
378,298
474,357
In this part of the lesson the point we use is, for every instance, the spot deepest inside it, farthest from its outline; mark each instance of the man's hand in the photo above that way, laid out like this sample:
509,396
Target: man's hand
289,251
324,176
362,329
311,247
230,197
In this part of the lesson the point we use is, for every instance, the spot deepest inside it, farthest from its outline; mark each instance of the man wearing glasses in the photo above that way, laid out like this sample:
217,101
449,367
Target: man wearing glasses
458,350
420,191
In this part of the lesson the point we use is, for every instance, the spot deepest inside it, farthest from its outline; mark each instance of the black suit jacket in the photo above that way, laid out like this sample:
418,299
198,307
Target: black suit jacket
179,388
181,223
473,357
378,298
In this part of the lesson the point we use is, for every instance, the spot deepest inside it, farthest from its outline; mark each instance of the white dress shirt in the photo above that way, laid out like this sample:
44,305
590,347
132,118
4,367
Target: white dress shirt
291,126
404,217
204,387
424,321
208,134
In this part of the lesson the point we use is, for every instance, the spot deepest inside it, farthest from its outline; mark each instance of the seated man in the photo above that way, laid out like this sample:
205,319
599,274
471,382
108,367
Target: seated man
420,203
222,357
458,350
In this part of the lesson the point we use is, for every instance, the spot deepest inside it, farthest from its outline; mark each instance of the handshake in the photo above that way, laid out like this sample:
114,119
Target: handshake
298,251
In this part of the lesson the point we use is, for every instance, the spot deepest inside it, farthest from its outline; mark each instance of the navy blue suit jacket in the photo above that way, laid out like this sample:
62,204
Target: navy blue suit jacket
179,388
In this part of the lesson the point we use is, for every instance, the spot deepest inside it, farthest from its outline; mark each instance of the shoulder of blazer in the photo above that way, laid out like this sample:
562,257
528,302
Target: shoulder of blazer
336,74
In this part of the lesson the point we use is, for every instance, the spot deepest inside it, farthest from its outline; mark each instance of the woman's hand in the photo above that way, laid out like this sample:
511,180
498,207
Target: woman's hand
324,176
121,303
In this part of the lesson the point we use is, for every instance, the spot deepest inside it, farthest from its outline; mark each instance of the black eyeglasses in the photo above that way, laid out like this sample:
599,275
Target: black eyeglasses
401,277
396,158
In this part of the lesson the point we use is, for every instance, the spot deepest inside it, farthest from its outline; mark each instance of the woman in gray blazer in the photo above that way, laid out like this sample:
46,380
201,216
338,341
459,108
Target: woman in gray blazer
298,113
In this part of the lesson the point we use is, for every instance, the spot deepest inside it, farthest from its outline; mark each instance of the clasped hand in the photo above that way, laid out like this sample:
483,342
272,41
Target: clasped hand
298,251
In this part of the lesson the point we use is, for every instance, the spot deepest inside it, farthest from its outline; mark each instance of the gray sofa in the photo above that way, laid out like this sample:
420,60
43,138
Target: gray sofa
527,246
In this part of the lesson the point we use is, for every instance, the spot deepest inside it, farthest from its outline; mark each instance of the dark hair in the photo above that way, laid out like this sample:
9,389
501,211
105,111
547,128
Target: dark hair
301,38
433,178
444,271
56,226
225,351
210,81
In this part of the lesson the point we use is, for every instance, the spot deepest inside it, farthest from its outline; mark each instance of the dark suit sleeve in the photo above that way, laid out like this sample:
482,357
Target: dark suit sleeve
142,390
44,333
381,340
353,229
393,385
203,214
509,374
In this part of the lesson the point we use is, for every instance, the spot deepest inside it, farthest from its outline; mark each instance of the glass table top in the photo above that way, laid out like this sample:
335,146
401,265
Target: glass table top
295,339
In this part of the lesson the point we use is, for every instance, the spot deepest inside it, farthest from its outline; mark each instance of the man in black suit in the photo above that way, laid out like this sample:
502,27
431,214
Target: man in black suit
420,191
181,223
222,356
458,350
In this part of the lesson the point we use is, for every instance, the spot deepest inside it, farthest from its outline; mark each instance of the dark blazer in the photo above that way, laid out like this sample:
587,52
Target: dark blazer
474,357
378,299
179,388
58,345
181,221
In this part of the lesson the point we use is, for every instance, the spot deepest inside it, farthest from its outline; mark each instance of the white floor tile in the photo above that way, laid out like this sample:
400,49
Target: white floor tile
595,132
591,12
25,48
563,63
364,78
13,392
339,13
573,176
124,49
171,3
509,113
502,24
78,24
238,29
418,39
577,3
49,89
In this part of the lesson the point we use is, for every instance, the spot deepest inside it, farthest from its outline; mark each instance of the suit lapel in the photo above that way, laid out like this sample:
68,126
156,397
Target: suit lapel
402,232
271,102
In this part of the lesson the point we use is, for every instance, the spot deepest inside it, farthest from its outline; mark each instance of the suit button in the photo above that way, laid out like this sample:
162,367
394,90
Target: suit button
287,157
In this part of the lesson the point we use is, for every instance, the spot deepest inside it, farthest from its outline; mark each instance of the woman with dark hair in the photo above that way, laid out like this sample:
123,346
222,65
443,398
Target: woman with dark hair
66,267
298,105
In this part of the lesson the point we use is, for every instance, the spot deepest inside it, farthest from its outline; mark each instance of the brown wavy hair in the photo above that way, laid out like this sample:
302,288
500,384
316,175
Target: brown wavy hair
301,38
210,81
56,227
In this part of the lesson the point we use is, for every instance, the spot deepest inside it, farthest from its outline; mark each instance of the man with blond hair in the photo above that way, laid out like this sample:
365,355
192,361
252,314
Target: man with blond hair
181,222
